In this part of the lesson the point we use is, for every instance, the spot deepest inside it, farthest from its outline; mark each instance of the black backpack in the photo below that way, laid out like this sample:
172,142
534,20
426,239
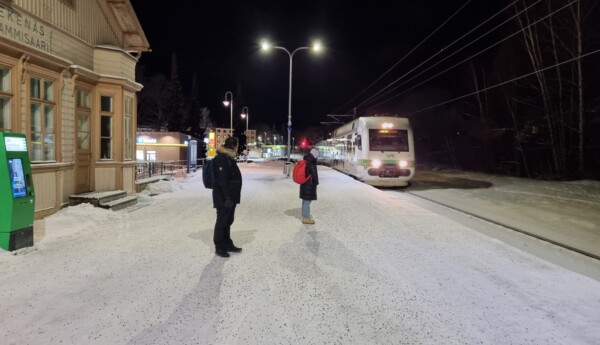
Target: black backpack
208,173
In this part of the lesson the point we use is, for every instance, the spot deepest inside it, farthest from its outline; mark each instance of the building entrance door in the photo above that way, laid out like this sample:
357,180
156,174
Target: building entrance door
83,155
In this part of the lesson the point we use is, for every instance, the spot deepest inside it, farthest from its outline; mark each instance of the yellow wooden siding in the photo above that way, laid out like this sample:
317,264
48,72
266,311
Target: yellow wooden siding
83,36
67,119
114,63
88,20
45,190
105,179
129,180
72,49
68,187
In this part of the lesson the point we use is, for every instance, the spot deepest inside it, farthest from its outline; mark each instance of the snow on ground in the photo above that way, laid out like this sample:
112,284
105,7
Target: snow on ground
374,269
565,212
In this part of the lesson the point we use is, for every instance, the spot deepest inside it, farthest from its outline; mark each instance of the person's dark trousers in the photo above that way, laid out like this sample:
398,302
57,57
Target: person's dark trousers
222,236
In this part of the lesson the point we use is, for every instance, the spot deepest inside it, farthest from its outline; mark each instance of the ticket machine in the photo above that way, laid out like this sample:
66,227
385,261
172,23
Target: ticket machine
17,197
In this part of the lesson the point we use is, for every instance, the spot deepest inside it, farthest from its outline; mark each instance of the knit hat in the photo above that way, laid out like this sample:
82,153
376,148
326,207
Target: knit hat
231,142
314,153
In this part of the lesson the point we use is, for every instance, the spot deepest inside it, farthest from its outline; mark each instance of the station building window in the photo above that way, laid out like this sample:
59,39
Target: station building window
82,103
106,132
42,116
151,155
128,128
5,99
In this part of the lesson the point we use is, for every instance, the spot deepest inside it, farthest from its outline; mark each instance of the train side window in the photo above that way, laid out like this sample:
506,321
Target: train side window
358,142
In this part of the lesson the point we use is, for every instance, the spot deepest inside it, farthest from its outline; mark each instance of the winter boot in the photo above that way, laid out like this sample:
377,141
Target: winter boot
232,248
308,220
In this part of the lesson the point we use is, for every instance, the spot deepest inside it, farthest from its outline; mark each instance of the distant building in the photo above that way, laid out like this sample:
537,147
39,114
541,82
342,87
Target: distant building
220,135
223,133
162,146
251,138
67,81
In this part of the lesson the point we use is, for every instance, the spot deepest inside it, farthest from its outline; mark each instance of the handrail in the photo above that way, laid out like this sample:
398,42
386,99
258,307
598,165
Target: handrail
146,169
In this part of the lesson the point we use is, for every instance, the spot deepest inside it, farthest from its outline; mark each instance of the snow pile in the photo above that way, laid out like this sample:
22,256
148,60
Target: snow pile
162,187
74,220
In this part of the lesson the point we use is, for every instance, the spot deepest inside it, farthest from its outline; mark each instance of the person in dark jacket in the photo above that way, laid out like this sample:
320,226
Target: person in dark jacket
227,189
308,190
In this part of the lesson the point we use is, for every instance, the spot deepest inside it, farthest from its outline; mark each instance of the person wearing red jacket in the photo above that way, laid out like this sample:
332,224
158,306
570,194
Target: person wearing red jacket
308,190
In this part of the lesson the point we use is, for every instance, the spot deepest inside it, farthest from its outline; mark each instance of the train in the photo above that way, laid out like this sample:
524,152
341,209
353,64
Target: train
377,150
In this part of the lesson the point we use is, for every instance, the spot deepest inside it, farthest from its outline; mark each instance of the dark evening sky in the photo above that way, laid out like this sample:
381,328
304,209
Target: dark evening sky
218,41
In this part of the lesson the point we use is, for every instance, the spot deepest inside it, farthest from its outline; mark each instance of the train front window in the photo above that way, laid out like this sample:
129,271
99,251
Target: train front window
388,140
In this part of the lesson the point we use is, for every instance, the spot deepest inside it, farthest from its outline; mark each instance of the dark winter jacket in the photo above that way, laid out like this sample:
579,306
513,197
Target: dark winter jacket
308,190
228,178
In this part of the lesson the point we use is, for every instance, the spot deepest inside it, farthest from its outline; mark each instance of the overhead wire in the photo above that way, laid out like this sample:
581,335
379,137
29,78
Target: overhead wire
507,81
406,55
472,56
445,48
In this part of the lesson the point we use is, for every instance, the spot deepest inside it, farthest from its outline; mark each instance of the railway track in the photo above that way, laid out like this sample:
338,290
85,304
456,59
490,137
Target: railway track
568,257
524,232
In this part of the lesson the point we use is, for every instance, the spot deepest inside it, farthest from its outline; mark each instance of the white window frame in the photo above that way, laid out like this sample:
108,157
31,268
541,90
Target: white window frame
43,120
6,95
107,137
128,134
83,107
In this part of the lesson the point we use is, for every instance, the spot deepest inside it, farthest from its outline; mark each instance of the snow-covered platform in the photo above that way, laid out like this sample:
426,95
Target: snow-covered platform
376,268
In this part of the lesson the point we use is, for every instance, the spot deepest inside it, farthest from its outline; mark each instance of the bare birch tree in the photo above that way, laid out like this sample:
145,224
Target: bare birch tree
559,37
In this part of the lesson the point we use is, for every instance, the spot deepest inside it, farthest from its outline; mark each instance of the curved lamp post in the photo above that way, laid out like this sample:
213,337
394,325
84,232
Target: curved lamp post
227,102
246,115
317,47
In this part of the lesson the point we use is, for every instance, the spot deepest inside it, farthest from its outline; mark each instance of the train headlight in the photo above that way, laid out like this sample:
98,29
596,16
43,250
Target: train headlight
376,163
403,164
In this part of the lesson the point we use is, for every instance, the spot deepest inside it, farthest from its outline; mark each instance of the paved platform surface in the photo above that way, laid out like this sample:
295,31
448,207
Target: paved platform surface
374,269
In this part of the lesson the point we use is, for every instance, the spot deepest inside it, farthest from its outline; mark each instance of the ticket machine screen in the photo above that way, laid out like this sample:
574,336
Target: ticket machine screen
17,177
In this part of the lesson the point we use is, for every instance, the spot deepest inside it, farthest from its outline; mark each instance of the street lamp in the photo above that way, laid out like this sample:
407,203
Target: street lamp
227,102
317,47
293,139
246,115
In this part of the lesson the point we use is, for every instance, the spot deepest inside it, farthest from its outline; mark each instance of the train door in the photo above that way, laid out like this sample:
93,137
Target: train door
360,151
349,152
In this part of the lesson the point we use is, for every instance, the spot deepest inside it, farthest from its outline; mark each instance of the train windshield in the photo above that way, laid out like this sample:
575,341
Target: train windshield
388,140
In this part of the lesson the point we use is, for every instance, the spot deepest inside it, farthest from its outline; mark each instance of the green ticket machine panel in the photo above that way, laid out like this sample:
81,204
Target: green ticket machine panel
17,197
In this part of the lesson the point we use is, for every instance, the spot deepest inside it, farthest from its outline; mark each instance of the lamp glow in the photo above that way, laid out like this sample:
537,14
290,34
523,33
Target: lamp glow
246,115
227,101
265,45
317,46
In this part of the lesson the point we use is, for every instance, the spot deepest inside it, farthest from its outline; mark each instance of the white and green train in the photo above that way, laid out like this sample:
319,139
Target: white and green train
378,150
